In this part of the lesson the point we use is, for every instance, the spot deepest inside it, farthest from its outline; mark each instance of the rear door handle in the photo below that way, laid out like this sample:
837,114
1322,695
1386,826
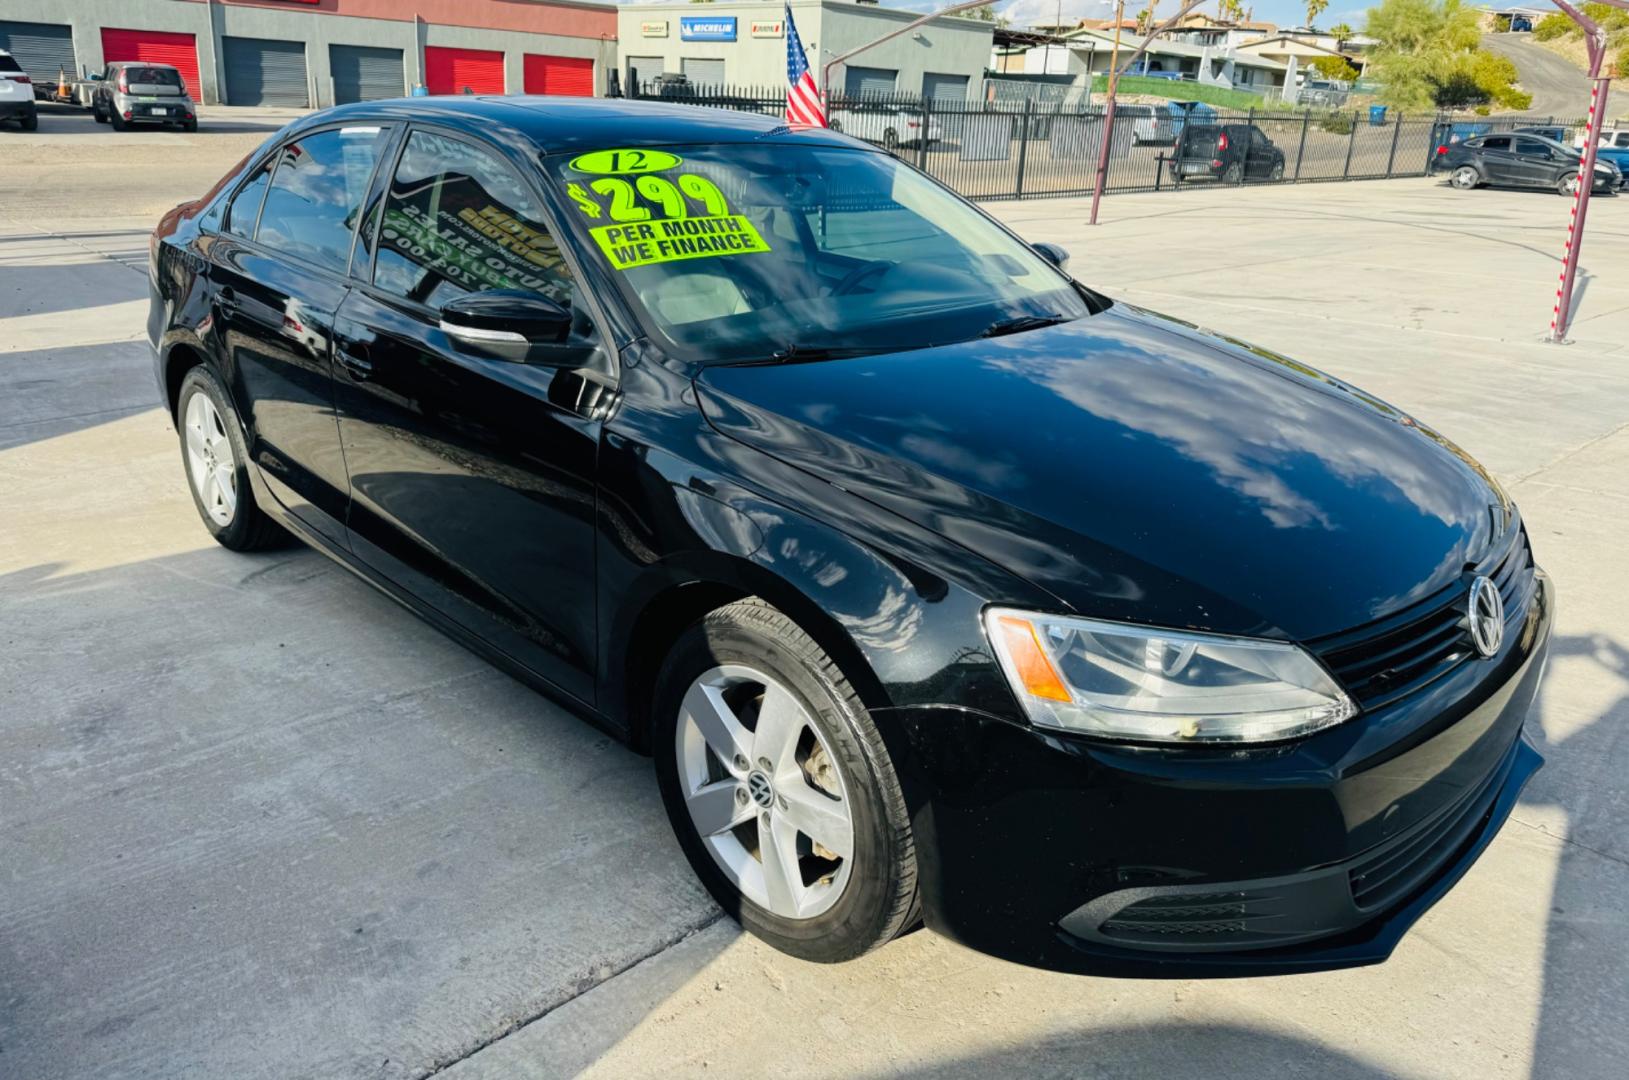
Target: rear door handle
356,361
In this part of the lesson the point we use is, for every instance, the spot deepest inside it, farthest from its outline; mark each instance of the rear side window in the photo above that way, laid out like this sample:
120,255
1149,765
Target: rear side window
245,208
458,220
1496,142
7,63
316,195
1621,139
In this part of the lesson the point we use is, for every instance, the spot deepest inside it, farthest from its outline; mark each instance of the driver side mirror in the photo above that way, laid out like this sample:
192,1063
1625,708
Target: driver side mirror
1053,253
506,321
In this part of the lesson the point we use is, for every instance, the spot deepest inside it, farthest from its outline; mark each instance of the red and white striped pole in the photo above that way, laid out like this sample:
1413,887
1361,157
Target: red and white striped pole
1595,41
1562,314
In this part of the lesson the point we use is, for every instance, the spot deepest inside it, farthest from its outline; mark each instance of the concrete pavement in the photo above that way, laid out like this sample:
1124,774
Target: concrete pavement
259,822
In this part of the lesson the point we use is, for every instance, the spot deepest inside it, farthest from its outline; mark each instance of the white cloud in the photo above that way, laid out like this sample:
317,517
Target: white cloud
1030,12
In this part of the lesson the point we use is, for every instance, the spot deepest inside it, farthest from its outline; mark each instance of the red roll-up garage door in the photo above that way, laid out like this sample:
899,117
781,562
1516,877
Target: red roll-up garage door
448,71
572,75
155,47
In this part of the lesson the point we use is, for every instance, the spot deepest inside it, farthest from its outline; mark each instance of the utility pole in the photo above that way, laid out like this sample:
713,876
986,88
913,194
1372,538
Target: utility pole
1114,84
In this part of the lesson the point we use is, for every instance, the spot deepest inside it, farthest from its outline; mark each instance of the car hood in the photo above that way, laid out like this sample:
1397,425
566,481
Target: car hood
1138,468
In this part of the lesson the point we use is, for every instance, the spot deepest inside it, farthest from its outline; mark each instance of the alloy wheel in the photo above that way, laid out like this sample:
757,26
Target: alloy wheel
1464,178
211,465
764,791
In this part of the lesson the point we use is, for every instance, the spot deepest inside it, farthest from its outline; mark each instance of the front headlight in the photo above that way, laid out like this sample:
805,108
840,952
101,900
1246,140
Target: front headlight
1122,681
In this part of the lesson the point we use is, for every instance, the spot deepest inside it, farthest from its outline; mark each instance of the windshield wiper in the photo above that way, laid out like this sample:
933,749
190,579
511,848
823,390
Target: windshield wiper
1021,323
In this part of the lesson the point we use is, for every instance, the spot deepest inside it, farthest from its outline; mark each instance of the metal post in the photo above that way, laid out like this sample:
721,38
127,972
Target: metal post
1351,140
1301,151
1562,315
1159,169
1397,130
922,135
1023,147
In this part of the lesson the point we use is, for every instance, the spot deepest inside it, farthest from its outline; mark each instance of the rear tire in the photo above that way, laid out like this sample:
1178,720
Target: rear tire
1465,178
716,690
31,122
209,431
190,127
96,111
117,121
890,139
1232,174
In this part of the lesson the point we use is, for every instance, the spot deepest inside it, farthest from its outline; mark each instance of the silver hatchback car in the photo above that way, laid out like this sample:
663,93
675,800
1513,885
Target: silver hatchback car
133,92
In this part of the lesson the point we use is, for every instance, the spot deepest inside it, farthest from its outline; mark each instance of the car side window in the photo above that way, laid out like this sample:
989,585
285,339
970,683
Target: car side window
1496,142
245,208
316,194
457,220
1621,139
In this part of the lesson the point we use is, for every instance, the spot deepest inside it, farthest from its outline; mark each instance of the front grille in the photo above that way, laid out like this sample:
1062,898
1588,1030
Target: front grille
1382,877
1387,660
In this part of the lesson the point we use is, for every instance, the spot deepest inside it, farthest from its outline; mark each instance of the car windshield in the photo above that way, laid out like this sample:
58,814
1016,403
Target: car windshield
734,253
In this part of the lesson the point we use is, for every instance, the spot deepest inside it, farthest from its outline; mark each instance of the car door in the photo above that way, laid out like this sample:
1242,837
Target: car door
472,475
1498,160
1533,164
278,274
1261,155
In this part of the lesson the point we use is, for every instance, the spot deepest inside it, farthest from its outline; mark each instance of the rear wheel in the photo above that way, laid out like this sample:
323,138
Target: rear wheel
1465,177
1232,174
31,122
779,788
117,121
1276,172
216,462
96,111
890,138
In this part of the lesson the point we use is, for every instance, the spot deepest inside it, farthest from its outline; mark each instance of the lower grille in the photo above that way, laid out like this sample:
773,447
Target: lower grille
1197,915
1381,878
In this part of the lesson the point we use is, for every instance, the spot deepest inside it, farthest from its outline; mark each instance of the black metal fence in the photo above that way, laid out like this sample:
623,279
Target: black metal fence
1024,149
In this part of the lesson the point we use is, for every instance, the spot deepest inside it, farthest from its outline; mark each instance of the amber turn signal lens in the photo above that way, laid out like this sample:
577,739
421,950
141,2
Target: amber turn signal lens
1030,661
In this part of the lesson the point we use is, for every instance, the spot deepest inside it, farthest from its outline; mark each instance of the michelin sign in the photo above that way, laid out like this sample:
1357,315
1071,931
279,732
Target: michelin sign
704,28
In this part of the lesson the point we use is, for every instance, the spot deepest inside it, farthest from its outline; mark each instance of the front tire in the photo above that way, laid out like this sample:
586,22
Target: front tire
780,789
216,459
1567,185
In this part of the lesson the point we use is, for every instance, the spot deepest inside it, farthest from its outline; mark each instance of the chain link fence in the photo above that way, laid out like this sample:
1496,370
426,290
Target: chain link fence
1007,148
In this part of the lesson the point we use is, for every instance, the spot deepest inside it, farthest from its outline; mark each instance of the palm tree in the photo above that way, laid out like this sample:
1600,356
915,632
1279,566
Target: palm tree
1341,33
1230,10
1316,8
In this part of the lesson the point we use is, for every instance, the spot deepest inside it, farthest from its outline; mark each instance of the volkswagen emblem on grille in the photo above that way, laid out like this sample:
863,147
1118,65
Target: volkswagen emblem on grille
1487,616
763,793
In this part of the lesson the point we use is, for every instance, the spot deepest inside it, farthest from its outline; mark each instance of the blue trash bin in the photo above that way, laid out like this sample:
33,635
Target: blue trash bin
1377,115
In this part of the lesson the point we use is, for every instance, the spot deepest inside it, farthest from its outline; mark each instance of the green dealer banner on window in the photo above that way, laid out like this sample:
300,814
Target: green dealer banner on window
644,242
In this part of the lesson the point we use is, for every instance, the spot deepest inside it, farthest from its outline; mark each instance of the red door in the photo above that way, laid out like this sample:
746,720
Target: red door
448,71
573,75
155,47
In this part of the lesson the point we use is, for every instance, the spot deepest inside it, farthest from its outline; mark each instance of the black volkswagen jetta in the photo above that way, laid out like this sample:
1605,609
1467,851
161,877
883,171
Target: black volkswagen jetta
941,587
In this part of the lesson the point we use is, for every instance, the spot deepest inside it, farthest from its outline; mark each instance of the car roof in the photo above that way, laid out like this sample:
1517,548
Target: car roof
563,124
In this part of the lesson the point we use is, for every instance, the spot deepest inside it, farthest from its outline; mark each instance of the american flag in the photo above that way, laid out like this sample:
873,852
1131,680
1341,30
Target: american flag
802,95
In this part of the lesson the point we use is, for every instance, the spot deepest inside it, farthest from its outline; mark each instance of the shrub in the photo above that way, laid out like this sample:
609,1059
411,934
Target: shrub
1554,26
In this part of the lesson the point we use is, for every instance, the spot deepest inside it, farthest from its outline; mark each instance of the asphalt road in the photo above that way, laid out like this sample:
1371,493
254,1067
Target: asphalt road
1559,87
256,821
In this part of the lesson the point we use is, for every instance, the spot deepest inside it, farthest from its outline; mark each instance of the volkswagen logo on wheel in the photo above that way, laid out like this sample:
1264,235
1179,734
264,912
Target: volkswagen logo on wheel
762,791
1487,616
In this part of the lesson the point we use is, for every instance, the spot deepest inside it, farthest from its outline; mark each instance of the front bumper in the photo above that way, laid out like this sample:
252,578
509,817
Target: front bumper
1089,857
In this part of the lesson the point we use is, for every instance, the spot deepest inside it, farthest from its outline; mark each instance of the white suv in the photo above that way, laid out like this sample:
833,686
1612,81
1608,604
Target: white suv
17,94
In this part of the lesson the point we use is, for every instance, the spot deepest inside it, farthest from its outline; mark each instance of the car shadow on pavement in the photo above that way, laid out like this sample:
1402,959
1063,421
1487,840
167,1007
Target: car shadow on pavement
1585,999
261,822
1165,1050
46,393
